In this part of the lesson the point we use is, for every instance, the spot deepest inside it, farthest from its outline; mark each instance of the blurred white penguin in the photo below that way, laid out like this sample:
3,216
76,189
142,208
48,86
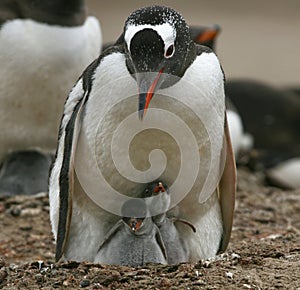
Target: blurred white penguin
44,47
241,141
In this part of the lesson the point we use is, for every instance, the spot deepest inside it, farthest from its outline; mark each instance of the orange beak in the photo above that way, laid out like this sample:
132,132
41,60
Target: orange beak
207,35
145,98
135,224
159,188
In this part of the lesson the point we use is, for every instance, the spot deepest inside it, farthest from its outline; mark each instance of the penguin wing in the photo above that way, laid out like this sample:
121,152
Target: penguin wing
227,189
67,146
111,233
160,241
62,172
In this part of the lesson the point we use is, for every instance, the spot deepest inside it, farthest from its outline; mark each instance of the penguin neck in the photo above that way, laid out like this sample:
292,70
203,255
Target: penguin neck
53,12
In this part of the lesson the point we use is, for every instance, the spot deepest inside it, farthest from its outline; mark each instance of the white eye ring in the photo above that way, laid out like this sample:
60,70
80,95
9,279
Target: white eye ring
169,52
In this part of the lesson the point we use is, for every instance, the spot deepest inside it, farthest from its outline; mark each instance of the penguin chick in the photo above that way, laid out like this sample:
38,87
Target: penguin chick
177,250
132,241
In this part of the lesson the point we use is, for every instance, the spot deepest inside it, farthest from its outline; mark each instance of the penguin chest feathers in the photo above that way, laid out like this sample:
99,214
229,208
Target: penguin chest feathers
187,116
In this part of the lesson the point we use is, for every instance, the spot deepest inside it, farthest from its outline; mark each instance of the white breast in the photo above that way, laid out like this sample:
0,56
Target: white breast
39,65
194,107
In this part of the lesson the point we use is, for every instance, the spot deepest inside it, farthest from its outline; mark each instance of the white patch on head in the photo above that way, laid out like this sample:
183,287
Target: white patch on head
166,31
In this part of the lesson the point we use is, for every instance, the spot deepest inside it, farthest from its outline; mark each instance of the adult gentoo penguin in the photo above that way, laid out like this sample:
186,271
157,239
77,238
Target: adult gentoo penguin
105,145
44,46
271,115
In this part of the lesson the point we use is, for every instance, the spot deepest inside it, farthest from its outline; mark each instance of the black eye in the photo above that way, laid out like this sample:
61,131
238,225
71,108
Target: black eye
170,51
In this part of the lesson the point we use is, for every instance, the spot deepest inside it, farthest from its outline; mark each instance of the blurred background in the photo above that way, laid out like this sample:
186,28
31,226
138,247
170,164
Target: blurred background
259,39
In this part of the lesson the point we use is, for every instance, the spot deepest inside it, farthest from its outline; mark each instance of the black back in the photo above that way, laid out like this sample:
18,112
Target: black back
53,12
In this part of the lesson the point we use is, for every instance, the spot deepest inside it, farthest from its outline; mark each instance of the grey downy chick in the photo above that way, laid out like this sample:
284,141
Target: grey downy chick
177,251
134,241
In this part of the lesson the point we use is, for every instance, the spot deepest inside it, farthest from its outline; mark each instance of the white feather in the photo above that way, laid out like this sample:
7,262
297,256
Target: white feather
166,31
39,65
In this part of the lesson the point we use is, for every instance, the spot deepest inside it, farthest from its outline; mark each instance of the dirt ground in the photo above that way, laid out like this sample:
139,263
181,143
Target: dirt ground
264,252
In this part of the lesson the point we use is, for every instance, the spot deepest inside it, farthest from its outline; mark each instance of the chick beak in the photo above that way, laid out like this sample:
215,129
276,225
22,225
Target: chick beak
135,224
146,92
159,188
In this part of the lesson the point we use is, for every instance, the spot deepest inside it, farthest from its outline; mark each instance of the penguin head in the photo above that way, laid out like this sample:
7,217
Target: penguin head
160,199
134,212
158,48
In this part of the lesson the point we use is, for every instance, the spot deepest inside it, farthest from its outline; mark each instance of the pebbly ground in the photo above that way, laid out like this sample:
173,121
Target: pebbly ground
264,251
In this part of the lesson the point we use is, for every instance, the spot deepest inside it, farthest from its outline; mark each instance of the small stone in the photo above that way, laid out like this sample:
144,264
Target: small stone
57,284
40,263
13,266
229,275
2,262
39,278
199,282
31,212
85,283
206,264
235,256
15,211
25,228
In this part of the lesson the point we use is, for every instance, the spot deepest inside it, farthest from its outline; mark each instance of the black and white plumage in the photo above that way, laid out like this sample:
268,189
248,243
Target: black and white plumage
156,40
271,115
44,47
133,241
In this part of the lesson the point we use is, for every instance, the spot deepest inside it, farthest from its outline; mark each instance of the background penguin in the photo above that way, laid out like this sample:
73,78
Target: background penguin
133,241
176,248
264,118
78,223
16,175
242,141
44,46
205,35
271,116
